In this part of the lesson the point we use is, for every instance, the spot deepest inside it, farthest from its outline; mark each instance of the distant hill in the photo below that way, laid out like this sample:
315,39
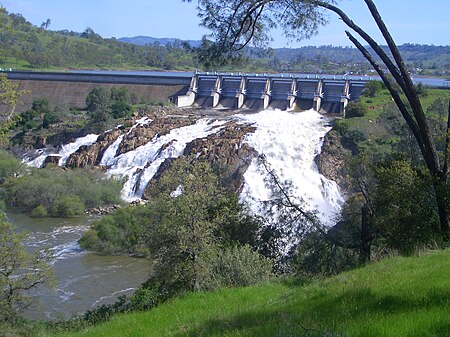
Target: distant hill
149,40
25,46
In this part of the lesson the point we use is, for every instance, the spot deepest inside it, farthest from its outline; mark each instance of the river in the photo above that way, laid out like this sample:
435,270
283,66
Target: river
85,279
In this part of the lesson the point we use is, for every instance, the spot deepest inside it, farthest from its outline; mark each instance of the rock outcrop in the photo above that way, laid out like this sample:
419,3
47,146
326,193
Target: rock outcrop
226,148
92,154
332,160
160,125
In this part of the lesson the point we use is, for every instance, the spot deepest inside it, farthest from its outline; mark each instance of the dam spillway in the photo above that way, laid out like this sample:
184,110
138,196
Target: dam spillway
257,92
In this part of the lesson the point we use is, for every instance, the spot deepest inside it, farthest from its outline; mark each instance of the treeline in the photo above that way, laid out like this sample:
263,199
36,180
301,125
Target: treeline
38,47
23,45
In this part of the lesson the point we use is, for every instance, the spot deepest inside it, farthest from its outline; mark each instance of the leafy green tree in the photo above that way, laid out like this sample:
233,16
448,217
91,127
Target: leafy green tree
98,105
372,88
403,202
235,24
355,109
20,272
9,98
10,166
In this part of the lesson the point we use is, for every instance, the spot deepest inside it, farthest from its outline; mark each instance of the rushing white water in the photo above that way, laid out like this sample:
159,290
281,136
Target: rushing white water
111,151
67,150
140,165
290,141
64,152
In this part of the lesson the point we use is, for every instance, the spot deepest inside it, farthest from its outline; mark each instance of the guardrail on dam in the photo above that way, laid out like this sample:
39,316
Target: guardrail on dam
277,92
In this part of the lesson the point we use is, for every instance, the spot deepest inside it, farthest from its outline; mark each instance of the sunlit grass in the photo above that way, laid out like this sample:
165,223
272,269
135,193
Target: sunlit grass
395,297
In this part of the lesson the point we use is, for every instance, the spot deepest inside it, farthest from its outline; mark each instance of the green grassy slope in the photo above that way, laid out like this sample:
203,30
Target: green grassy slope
395,297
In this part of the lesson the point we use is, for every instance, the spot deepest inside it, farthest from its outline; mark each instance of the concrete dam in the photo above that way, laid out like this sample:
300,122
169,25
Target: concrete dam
202,90
260,92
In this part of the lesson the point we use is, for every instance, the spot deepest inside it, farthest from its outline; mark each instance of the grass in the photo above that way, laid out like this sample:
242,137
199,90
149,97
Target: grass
395,297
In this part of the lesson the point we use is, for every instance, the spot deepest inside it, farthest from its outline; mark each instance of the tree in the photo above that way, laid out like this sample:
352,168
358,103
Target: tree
45,24
237,23
98,105
20,272
9,98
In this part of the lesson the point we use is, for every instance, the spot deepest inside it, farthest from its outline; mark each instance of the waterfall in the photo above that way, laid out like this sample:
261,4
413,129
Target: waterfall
111,152
140,165
65,151
290,142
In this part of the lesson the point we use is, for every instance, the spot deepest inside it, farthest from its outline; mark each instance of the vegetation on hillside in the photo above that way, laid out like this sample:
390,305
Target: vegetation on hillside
24,46
52,191
396,297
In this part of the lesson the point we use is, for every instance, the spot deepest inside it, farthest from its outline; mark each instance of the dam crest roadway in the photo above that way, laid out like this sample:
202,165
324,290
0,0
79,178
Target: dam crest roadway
323,93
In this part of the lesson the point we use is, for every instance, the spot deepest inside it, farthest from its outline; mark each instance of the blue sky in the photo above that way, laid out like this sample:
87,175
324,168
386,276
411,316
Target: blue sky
413,21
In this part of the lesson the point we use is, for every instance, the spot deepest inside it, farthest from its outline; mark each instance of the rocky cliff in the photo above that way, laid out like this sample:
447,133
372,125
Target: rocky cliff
333,158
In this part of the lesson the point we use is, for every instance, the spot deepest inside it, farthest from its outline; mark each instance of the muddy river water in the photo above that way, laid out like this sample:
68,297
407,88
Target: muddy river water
85,279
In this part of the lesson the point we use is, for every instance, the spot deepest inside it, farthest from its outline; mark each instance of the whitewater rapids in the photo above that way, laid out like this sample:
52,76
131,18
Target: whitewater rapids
290,142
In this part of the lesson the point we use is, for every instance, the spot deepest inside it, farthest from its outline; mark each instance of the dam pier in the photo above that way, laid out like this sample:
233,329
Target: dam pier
260,92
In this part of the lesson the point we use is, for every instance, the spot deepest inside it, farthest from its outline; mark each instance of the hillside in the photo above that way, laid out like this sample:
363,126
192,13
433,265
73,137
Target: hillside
25,46
394,297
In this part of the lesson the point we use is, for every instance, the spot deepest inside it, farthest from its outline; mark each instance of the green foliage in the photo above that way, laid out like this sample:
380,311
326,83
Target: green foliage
400,297
355,109
421,90
10,166
98,106
237,266
62,192
406,212
372,88
68,206
20,272
39,212
120,109
9,98
316,254
122,232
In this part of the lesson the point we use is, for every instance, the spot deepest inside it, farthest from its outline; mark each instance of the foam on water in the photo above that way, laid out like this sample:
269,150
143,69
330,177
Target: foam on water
111,151
68,149
64,152
290,142
140,165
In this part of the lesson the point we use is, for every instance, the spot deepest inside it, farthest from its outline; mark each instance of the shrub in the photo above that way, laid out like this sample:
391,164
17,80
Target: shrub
355,109
237,266
10,166
46,186
68,206
371,88
39,212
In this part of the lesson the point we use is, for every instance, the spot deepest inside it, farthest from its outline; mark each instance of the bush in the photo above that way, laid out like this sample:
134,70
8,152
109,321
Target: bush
355,109
48,186
120,109
10,166
317,255
39,212
68,206
237,266
371,88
